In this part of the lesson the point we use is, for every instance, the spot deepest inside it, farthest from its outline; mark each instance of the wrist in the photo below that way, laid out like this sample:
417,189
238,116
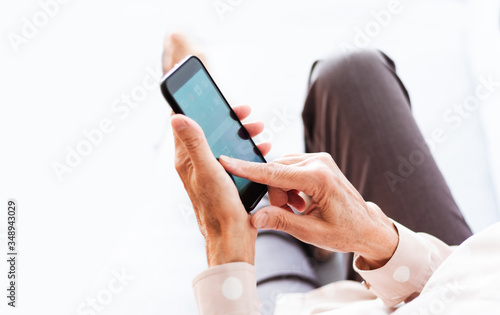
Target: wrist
235,245
381,251
380,243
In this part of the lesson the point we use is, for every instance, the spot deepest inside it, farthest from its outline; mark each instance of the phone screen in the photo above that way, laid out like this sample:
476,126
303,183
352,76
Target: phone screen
202,101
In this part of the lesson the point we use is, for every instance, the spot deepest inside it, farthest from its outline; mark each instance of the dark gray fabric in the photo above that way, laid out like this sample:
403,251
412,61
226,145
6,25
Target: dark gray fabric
282,267
358,110
286,247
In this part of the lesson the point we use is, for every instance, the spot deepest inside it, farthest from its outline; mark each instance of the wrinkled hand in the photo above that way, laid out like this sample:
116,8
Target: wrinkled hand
337,219
222,218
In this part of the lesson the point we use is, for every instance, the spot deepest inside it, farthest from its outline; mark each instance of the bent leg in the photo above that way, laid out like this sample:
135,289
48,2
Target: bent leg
358,110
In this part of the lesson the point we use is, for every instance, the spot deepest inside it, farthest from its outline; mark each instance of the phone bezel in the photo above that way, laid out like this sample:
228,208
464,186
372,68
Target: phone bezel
174,80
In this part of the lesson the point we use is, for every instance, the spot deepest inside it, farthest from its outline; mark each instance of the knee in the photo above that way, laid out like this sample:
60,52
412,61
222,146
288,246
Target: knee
350,68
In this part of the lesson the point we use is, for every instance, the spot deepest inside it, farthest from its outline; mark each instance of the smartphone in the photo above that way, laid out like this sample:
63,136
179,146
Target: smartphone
190,90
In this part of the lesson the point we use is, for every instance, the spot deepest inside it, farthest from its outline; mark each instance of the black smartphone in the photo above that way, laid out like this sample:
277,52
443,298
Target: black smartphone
190,90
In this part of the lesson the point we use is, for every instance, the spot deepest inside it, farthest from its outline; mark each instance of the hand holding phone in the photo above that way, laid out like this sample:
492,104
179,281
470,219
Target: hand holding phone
191,91
222,219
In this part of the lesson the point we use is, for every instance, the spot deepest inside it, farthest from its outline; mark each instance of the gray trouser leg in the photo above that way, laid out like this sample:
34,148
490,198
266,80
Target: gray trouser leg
282,267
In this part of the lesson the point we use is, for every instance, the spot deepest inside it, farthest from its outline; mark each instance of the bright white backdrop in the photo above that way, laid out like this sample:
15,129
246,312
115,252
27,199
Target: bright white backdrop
122,209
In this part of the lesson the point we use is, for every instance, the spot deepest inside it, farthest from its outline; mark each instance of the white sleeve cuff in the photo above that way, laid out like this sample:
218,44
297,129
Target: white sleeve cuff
412,264
227,289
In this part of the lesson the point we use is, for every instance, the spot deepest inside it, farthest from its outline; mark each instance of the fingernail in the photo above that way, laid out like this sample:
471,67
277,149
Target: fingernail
179,124
226,159
261,220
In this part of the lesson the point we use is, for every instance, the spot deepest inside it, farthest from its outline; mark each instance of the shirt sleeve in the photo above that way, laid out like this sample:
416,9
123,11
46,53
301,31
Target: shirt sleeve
402,278
227,289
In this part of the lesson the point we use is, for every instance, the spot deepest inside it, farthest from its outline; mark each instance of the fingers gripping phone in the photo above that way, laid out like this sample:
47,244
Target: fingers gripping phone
191,91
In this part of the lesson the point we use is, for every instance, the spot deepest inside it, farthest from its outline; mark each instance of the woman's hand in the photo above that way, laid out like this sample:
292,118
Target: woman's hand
222,218
337,219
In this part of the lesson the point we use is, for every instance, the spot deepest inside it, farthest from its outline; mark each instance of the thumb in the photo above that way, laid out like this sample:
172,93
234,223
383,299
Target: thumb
276,218
193,139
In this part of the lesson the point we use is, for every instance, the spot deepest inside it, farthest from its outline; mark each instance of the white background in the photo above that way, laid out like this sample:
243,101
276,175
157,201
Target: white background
123,207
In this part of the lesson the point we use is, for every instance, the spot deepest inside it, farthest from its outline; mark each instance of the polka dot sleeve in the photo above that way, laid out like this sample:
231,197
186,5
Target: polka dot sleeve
227,289
402,278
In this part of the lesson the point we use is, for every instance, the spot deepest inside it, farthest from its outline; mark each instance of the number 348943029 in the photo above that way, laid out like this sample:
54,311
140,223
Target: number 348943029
11,225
